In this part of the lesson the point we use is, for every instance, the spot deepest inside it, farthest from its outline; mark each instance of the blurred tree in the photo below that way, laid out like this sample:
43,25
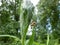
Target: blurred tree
9,17
48,10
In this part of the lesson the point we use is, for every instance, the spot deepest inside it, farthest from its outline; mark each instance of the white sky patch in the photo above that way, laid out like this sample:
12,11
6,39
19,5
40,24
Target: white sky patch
35,2
0,3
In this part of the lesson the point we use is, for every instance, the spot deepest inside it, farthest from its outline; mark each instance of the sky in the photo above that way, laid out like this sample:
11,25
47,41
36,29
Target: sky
0,3
59,1
34,2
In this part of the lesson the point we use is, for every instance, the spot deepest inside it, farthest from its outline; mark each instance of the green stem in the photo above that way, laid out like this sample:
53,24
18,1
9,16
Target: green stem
47,39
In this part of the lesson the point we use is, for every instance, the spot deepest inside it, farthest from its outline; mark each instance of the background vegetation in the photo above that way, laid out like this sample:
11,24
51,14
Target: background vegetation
16,17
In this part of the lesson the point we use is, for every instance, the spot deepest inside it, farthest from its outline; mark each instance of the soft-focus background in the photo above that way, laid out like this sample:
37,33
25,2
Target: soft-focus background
29,22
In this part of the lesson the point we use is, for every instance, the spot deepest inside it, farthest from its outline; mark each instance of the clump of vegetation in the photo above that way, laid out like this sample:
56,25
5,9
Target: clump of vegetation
9,40
16,17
